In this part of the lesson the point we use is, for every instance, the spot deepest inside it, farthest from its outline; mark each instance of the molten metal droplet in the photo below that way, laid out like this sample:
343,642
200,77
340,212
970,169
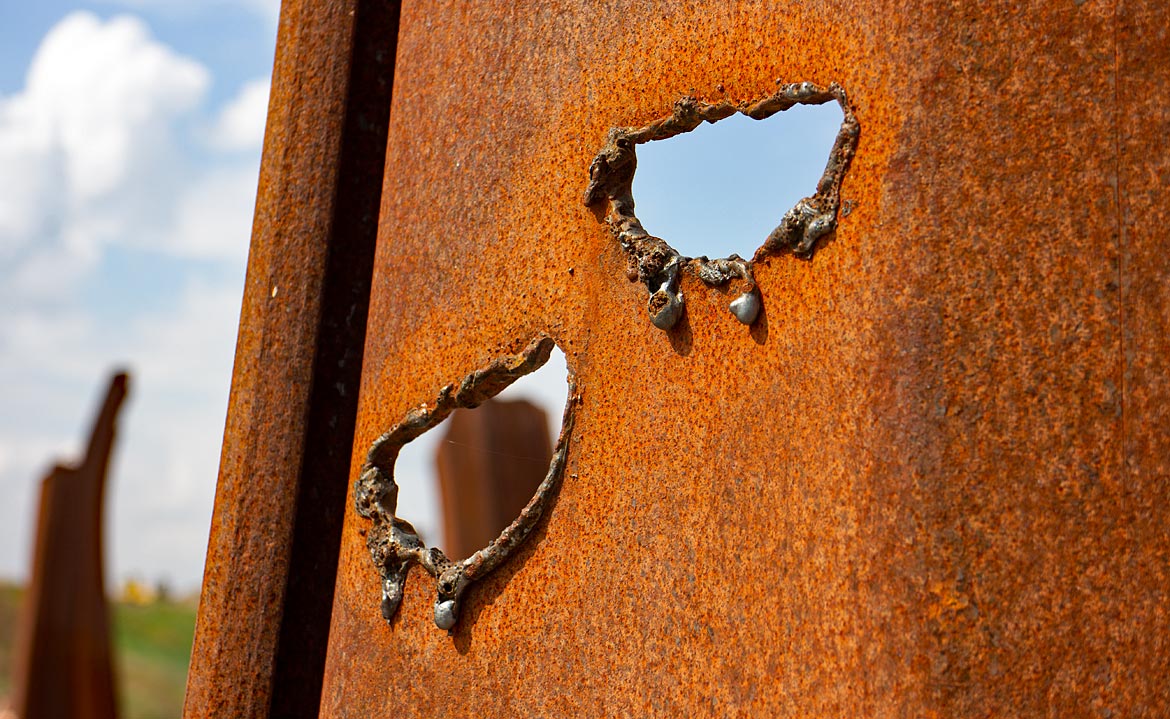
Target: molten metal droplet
445,614
391,598
746,307
669,308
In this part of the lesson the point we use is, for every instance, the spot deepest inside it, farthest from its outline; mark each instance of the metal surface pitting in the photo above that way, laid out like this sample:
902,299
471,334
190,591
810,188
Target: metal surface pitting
394,543
653,261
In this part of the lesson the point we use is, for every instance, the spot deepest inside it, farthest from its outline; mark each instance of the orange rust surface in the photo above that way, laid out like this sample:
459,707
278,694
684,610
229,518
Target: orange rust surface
931,480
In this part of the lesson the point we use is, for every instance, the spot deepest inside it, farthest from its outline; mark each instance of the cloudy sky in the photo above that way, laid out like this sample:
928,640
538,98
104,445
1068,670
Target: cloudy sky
130,135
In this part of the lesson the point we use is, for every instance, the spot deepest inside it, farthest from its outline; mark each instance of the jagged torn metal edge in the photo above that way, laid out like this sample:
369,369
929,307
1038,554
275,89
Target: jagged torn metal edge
395,545
655,262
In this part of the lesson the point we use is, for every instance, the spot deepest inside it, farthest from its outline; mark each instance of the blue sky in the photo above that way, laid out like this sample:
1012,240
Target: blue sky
130,134
723,187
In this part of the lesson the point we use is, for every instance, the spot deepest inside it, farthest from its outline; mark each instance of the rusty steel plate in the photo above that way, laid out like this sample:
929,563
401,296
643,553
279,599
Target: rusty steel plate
929,480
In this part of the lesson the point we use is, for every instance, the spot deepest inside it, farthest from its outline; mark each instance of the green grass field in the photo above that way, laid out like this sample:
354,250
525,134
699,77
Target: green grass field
152,645
10,596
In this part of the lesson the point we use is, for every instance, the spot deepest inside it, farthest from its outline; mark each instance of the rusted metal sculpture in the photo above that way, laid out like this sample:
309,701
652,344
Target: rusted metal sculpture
64,666
263,623
928,480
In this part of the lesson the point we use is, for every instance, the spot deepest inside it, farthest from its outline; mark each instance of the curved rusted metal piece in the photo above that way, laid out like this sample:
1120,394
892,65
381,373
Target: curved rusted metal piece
655,262
394,543
63,663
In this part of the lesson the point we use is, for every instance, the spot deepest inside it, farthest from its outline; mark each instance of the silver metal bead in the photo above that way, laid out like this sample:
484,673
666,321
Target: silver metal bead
445,616
391,597
668,315
746,307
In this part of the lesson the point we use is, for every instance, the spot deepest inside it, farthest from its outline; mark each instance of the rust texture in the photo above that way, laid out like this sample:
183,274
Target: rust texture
931,478
393,542
489,463
63,659
653,261
268,585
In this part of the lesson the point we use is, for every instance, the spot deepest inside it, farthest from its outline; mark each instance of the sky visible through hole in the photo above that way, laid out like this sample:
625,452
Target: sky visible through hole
723,187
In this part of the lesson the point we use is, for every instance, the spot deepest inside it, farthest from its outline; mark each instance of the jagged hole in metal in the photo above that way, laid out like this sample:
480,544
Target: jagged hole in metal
655,263
394,544
501,437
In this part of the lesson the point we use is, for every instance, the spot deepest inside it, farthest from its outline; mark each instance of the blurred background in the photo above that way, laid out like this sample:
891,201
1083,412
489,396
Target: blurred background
130,138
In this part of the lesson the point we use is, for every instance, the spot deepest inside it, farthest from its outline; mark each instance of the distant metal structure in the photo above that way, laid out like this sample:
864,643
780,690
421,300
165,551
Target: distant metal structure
489,463
64,668
925,472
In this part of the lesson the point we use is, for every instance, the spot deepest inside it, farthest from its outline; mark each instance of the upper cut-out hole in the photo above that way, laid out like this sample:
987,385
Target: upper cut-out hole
721,188
461,483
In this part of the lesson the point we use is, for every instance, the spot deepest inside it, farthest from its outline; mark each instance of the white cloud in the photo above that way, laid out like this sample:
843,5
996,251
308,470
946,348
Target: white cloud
31,171
87,148
181,369
265,8
240,125
106,94
213,218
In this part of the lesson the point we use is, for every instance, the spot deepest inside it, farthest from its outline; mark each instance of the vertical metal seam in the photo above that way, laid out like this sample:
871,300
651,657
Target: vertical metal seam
331,408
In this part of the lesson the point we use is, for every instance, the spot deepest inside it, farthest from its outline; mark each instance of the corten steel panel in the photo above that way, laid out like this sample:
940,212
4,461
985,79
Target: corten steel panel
930,481
267,590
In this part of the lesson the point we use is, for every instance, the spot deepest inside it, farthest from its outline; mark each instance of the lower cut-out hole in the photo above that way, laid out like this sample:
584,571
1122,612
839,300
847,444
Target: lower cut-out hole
721,188
464,481
394,543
